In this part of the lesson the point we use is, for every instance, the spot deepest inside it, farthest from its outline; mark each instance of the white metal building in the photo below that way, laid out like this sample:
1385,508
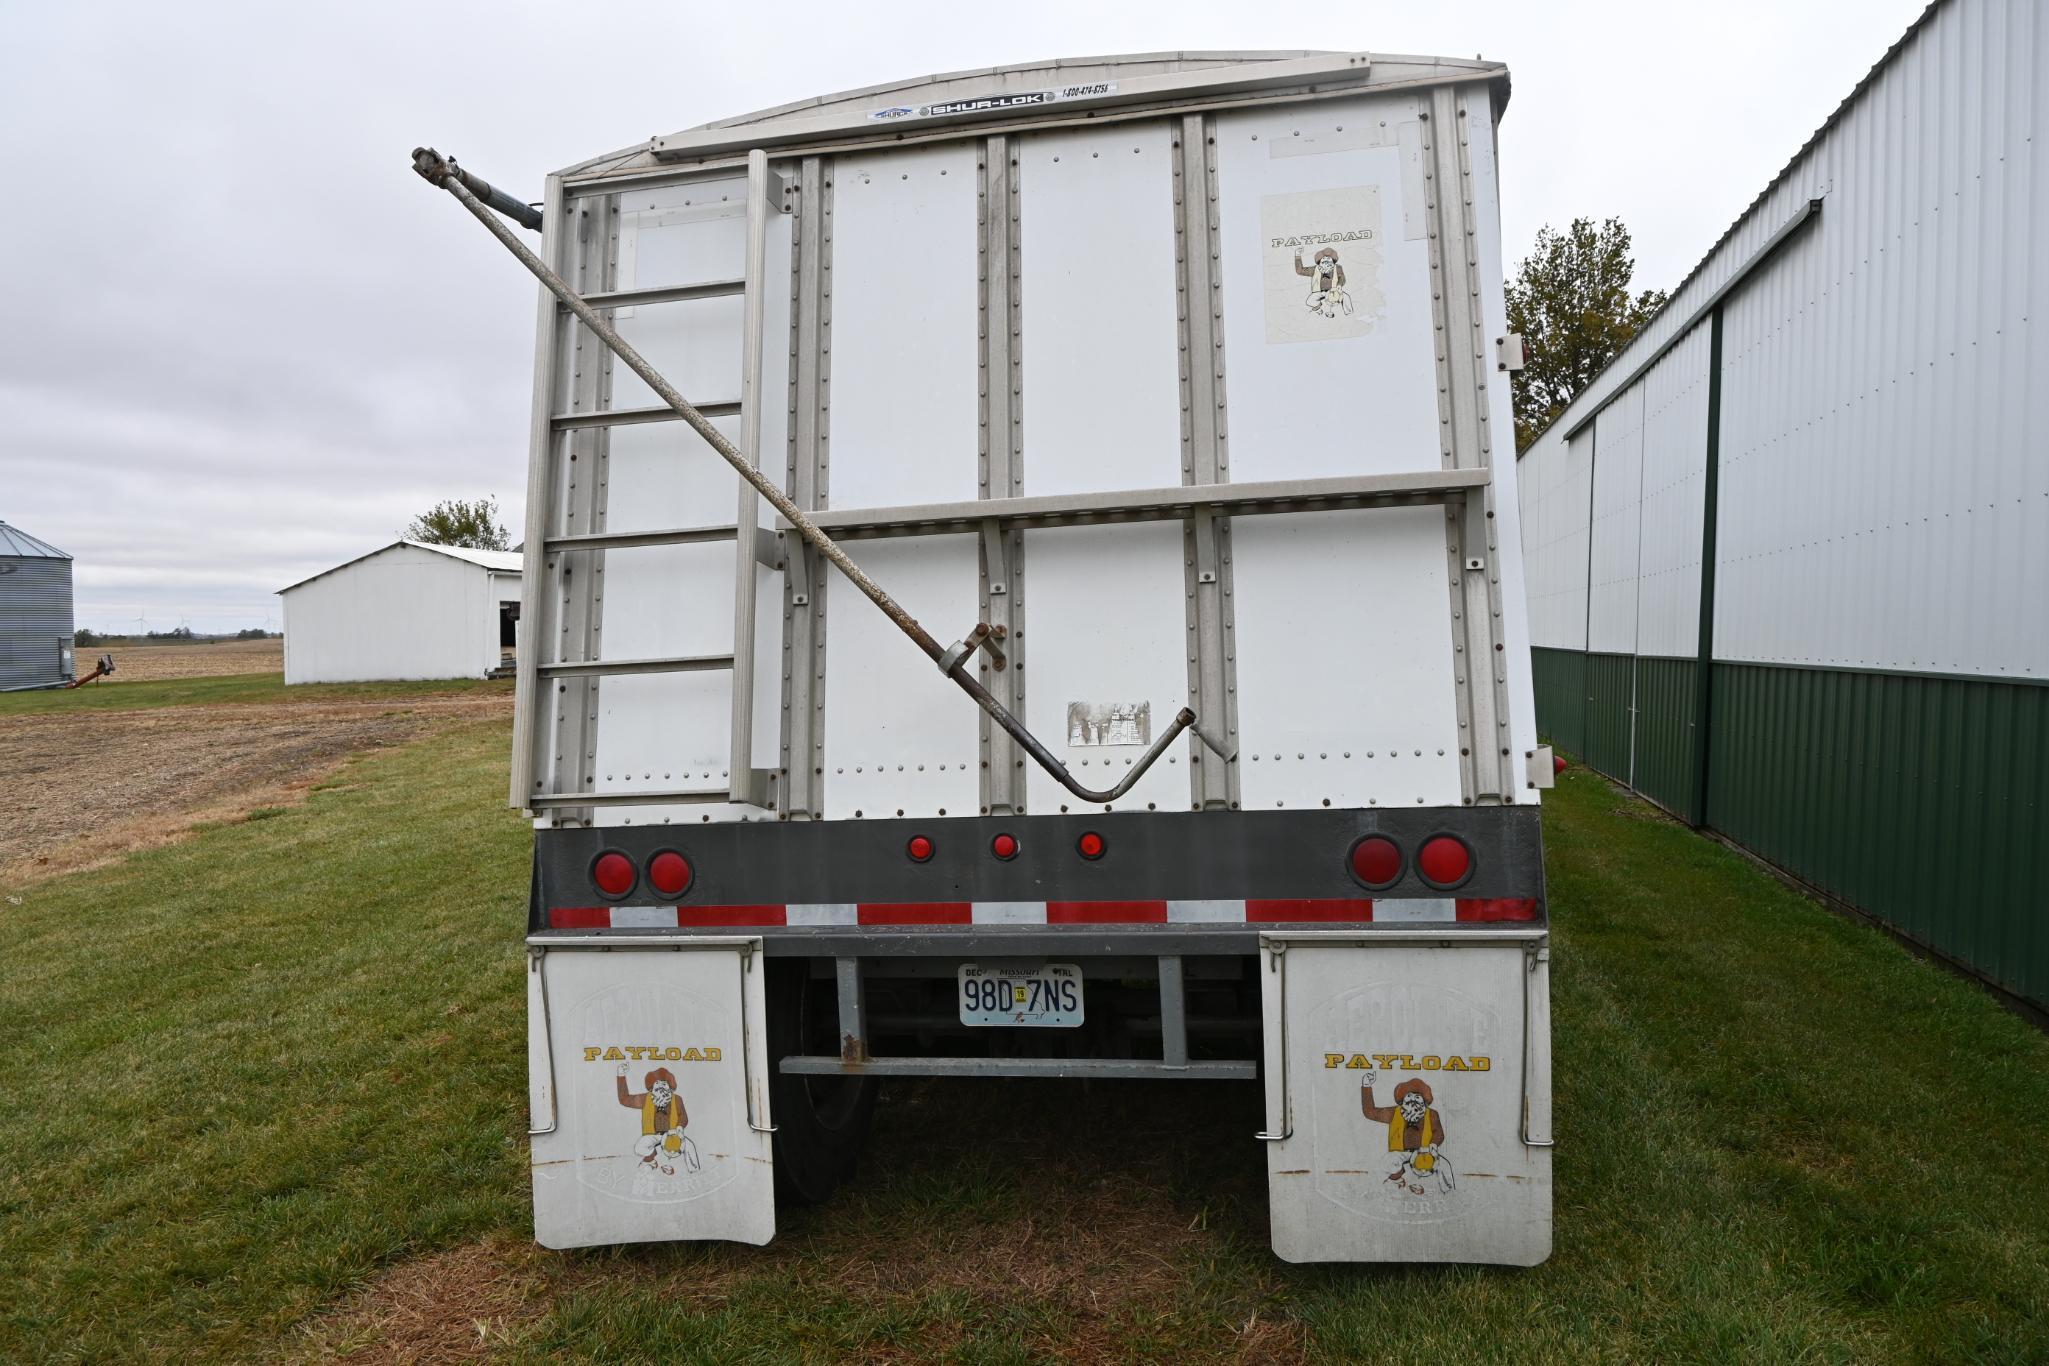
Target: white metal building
1787,554
410,610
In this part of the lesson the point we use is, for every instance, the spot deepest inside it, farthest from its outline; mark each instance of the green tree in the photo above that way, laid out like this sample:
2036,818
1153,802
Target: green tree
455,522
1570,300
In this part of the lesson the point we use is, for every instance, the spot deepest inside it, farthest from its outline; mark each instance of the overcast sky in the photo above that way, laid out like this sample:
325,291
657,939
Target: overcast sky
243,342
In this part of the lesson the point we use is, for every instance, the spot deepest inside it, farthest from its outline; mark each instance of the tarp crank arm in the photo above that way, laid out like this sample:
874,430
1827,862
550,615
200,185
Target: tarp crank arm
442,171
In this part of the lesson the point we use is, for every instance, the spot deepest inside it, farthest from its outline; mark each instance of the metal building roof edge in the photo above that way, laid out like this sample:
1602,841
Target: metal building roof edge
499,561
1570,417
16,544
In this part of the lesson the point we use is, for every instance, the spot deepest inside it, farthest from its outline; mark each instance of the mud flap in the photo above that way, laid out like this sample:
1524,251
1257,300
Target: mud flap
1408,1094
648,1082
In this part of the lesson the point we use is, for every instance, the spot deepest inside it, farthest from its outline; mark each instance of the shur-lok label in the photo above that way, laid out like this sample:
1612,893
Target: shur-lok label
992,104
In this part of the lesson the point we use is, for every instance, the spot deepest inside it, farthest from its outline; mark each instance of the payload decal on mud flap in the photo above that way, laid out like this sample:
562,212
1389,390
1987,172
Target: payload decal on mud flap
1320,253
1400,1107
654,1132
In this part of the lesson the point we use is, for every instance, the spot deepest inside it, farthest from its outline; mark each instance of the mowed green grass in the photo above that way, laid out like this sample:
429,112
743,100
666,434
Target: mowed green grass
180,692
255,1080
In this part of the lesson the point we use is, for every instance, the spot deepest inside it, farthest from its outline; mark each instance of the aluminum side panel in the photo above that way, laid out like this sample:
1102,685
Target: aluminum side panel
1351,1178
899,736
1108,638
1101,370
1366,400
1617,526
1345,684
603,1028
905,389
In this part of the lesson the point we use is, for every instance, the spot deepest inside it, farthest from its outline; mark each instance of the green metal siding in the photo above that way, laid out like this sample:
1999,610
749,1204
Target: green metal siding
1609,688
1922,800
1665,734
1559,679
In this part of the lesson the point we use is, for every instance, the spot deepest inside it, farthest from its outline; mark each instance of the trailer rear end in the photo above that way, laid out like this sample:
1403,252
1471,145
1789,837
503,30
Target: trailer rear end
1172,390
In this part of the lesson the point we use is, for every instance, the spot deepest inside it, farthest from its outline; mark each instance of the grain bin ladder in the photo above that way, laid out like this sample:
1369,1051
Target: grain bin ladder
486,203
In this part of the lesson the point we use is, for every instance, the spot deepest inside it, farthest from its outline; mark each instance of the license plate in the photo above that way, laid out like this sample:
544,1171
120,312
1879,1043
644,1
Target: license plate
1046,996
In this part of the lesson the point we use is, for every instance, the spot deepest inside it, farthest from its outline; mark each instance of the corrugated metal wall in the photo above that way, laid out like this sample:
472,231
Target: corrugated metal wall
35,620
1877,718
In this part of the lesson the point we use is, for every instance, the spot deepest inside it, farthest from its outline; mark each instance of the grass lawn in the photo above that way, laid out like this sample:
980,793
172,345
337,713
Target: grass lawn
264,1094
180,692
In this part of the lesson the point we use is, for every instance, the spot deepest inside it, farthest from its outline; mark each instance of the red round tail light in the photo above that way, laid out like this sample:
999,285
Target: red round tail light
1090,845
1004,846
1376,862
613,872
1444,861
669,873
920,849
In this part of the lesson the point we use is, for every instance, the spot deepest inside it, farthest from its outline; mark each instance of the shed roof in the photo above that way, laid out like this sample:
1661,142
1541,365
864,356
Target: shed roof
16,544
497,561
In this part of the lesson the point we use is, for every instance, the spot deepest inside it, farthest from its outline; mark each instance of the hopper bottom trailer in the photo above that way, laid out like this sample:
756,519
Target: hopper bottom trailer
1170,381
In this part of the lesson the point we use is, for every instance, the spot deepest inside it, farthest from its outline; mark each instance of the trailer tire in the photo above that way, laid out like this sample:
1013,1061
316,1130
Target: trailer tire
821,1122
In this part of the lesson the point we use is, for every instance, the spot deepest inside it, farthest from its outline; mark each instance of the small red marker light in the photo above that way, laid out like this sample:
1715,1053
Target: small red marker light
1376,861
1444,861
669,873
613,872
1557,764
1004,846
920,849
1090,845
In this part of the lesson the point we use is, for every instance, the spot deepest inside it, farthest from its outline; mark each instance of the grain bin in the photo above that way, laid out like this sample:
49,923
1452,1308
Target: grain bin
35,612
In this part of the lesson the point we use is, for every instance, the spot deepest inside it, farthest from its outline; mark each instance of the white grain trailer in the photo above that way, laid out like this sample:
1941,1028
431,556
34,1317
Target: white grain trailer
1170,388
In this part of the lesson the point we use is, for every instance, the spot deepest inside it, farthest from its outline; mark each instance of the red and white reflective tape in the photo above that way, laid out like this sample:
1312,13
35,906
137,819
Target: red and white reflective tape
1356,911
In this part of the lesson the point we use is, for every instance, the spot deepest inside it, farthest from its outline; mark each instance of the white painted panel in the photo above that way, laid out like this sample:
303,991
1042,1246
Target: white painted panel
1347,1027
905,312
683,234
1674,482
618,1168
1555,489
1345,683
1101,344
695,344
662,732
1106,614
1617,526
1366,401
662,474
899,735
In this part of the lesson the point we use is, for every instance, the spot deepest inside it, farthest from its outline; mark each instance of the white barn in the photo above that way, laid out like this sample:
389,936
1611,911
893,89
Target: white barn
410,610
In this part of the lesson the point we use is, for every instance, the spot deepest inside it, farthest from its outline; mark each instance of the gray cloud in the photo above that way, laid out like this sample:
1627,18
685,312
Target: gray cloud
241,343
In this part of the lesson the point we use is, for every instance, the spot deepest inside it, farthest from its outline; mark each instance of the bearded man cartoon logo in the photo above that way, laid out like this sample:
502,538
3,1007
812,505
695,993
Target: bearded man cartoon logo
1415,1134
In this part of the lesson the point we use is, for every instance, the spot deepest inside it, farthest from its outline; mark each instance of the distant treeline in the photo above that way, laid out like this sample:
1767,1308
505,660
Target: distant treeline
175,636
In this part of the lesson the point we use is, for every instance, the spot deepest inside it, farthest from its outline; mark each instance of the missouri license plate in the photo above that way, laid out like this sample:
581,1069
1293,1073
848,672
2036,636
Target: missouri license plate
1046,996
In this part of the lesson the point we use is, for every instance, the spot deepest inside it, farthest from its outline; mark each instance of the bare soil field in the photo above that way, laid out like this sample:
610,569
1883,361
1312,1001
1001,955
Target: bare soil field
93,785
142,663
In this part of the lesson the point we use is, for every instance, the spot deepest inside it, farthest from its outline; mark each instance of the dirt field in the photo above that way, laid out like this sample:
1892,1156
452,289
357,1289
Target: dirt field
141,663
100,783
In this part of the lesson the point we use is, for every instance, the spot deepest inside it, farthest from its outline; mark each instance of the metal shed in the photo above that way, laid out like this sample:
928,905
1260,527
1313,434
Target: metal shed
1787,553
408,610
35,612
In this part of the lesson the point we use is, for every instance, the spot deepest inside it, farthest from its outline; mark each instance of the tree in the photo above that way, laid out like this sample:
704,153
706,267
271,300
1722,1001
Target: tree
471,525
1570,301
